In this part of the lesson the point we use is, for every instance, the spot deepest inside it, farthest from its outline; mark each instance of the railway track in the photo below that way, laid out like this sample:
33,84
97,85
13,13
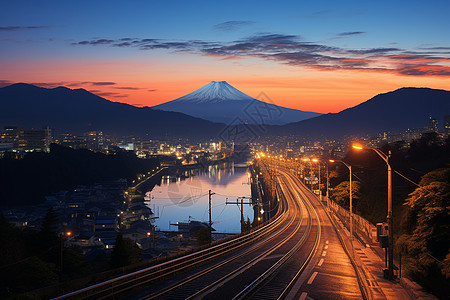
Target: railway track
263,264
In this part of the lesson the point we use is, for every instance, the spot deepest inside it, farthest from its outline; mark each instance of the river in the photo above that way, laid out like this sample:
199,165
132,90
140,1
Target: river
183,198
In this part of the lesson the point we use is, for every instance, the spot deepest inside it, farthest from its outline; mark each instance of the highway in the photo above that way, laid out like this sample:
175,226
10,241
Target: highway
301,257
296,256
330,274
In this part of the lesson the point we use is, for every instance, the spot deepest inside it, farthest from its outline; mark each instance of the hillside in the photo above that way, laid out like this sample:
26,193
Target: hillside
78,110
399,110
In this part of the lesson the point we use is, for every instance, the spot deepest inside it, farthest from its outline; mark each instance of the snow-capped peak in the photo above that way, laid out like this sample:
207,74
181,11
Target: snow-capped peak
214,92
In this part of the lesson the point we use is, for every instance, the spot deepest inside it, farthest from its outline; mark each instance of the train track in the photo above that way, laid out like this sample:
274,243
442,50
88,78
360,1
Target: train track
263,264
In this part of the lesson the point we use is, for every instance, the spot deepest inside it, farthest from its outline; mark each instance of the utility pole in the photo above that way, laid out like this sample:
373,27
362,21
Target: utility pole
210,221
241,204
386,158
390,220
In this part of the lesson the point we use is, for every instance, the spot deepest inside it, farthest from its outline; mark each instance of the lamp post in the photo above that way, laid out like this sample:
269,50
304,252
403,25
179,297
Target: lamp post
351,198
389,214
318,162
328,183
310,171
61,250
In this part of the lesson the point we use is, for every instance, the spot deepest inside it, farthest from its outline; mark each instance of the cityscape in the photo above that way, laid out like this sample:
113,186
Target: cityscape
279,151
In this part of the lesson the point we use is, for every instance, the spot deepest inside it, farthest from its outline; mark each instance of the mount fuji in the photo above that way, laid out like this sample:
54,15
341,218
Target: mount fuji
220,102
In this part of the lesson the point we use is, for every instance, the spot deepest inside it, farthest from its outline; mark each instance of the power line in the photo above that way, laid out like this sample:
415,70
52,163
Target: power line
420,186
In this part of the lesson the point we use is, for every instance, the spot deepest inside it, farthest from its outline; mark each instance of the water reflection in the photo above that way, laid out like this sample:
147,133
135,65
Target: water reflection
184,196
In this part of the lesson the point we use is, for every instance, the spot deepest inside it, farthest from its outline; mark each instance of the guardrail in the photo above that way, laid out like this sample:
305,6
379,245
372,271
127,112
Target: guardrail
358,222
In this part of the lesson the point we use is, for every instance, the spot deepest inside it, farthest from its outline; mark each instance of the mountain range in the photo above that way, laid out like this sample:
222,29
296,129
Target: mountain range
77,111
396,111
218,101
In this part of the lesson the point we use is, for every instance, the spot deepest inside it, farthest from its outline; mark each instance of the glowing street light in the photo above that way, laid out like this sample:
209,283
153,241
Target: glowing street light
389,215
316,160
351,198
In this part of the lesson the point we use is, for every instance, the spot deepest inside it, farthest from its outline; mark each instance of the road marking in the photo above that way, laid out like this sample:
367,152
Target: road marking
320,262
326,247
303,296
324,253
311,279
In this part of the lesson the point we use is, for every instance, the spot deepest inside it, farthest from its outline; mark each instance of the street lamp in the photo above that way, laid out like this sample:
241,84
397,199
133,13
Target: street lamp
318,162
389,214
305,160
61,249
351,198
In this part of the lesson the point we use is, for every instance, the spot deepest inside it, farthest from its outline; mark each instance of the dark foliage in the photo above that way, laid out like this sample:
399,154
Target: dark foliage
26,181
422,156
49,228
425,244
125,253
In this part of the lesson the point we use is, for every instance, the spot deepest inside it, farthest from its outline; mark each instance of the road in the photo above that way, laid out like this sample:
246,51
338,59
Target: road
297,255
301,258
331,274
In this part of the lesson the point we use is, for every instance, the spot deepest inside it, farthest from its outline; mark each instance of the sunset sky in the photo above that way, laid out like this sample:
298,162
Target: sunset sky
321,56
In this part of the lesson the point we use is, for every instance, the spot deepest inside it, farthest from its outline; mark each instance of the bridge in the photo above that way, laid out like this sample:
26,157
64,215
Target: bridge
298,254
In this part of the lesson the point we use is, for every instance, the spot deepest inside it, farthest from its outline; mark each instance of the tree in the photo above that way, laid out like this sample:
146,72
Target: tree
429,209
125,253
427,244
49,228
341,193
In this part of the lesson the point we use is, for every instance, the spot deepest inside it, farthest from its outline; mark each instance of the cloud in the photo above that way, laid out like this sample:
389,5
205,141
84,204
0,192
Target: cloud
15,28
424,70
127,88
294,50
152,90
50,85
435,48
96,42
350,33
107,94
321,13
99,83
4,83
232,25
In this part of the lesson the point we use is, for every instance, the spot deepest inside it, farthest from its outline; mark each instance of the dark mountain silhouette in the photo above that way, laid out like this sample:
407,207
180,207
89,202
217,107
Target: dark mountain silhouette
395,111
218,101
77,111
